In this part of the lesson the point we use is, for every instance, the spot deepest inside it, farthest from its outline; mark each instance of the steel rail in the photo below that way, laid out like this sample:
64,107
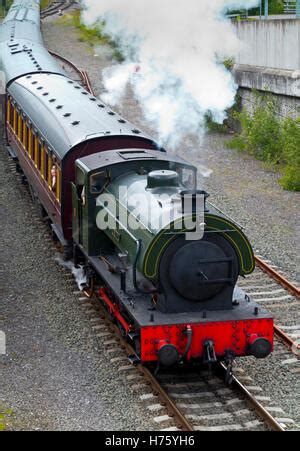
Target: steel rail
292,289
170,405
83,75
54,8
173,410
293,345
295,291
51,9
258,407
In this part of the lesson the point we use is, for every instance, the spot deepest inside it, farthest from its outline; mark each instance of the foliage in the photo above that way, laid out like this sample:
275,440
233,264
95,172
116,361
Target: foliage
4,415
291,154
229,63
271,138
92,35
275,7
2,425
45,3
227,124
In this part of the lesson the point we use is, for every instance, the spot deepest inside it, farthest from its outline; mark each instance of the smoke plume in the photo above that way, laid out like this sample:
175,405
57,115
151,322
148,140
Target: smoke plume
174,52
78,272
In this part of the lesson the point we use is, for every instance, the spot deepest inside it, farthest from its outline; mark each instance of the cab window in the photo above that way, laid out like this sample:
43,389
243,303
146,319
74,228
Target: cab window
98,182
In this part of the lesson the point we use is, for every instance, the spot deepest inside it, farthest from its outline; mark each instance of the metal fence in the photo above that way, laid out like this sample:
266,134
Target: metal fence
291,7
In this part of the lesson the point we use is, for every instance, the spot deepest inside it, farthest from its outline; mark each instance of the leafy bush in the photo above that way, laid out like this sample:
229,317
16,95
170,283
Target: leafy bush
271,138
261,131
275,7
291,154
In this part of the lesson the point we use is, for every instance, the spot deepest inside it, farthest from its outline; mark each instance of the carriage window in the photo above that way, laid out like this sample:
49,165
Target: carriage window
15,123
20,128
9,115
46,164
39,156
25,134
54,176
58,183
31,143
98,182
34,147
36,151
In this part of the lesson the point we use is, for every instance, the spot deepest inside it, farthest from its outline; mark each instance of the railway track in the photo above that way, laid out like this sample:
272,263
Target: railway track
78,75
186,400
196,401
55,7
269,287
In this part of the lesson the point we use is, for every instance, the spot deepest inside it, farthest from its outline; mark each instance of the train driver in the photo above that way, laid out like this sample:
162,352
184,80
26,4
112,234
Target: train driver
53,178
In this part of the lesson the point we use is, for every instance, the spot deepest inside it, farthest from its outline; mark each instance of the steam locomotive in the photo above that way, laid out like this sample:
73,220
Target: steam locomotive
164,260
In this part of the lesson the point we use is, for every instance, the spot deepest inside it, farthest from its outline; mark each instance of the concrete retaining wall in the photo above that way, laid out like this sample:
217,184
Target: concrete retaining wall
286,106
284,82
270,43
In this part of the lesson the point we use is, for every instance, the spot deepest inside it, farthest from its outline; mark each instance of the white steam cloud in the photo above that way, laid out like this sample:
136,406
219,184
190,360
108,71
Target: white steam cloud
173,59
78,272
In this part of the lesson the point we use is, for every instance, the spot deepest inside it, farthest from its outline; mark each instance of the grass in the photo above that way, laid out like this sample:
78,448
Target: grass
2,425
45,3
93,36
4,413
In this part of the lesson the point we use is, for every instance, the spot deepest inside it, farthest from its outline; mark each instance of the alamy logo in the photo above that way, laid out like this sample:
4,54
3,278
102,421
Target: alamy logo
2,343
140,211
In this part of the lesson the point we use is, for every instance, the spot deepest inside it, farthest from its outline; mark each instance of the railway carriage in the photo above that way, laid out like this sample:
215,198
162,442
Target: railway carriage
175,300
51,122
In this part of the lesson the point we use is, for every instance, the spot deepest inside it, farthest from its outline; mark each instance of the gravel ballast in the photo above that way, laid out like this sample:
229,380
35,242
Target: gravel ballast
55,376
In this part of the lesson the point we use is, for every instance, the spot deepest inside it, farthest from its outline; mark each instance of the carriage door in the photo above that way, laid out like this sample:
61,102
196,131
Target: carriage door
78,203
